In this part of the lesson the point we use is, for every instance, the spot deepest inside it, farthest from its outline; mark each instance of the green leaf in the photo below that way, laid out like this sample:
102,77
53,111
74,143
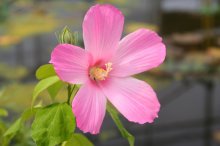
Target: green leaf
77,140
53,125
18,124
45,71
3,113
4,141
43,85
14,128
55,88
123,131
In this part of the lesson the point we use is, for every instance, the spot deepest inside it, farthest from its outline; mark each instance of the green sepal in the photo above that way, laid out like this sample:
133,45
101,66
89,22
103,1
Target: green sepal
67,37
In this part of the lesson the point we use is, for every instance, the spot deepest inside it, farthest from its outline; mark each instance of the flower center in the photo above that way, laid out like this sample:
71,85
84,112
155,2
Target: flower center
98,73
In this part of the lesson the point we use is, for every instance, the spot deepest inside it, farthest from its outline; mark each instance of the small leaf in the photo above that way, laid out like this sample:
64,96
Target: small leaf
14,128
55,88
4,141
45,71
3,113
43,85
20,122
53,125
77,140
123,131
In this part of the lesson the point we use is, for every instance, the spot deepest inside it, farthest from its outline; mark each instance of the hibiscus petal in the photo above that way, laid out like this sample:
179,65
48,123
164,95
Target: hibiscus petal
135,99
70,63
138,52
102,29
89,107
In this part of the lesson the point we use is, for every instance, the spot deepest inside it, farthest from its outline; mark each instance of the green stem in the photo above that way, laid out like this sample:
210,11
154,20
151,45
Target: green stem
68,93
113,113
77,89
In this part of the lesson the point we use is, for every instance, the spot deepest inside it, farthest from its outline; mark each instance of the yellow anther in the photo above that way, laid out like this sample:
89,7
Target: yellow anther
108,67
98,73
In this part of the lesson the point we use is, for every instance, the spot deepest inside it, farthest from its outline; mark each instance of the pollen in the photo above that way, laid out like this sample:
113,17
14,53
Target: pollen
98,73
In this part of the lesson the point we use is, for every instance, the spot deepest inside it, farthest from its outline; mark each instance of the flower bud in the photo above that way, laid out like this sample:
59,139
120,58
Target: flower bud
66,36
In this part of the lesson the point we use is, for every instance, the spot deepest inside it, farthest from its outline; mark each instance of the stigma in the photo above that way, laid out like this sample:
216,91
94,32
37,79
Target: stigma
100,74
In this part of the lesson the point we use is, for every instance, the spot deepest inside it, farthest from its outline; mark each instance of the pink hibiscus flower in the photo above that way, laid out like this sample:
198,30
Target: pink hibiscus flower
104,68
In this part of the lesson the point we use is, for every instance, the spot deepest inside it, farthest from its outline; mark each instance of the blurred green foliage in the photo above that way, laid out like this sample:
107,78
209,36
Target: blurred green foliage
12,72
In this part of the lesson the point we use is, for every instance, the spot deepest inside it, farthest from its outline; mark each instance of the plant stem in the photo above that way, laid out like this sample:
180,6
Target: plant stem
68,94
70,90
77,89
113,113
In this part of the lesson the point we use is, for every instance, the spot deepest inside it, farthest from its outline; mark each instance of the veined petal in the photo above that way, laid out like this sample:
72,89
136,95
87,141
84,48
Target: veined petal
70,63
89,107
135,99
102,29
138,52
